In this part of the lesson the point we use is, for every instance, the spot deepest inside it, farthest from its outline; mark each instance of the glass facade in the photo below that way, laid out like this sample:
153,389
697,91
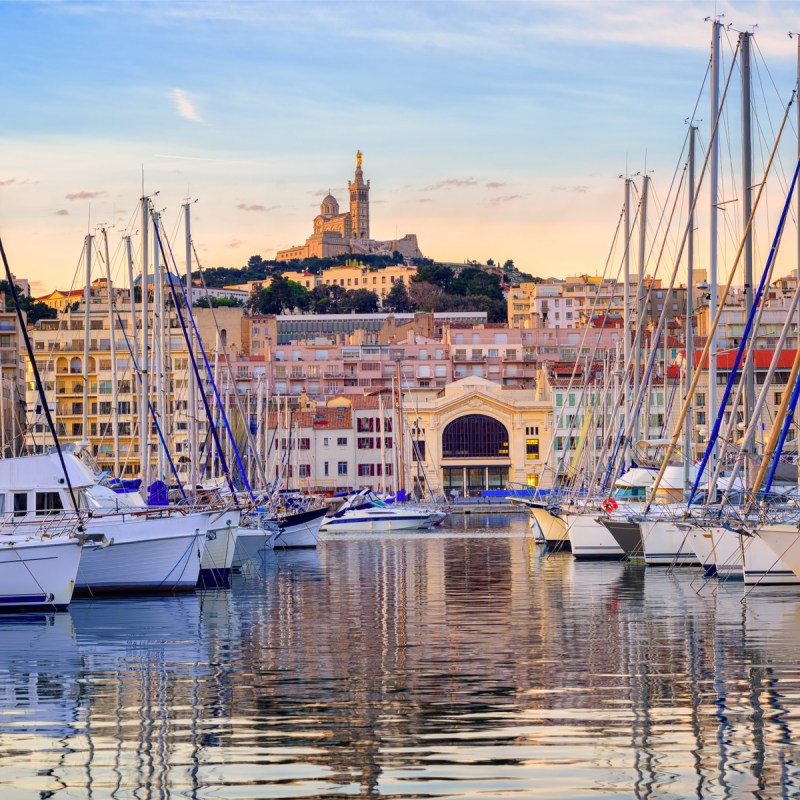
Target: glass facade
475,436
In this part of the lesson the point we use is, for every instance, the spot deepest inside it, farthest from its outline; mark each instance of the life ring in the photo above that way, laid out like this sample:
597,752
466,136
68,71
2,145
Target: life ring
609,505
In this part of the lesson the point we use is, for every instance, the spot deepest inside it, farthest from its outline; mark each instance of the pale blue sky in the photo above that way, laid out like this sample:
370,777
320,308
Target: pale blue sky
489,129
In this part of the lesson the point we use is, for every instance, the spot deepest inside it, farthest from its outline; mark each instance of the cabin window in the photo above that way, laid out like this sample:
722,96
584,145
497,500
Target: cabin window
48,503
20,504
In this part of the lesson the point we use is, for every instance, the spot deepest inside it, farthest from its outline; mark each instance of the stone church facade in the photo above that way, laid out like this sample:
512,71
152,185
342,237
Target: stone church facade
336,233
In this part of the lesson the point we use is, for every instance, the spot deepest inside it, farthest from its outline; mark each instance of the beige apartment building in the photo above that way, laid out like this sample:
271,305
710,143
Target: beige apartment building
571,302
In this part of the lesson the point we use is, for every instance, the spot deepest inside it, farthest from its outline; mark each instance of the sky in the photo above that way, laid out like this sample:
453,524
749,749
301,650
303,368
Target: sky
490,129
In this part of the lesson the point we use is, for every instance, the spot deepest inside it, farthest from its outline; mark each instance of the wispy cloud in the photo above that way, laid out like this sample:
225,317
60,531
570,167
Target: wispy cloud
505,198
578,187
83,195
185,107
235,243
496,184
425,200
7,181
255,207
62,212
451,183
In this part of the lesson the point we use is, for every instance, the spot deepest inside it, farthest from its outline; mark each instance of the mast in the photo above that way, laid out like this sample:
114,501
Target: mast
144,418
135,331
114,386
798,226
220,454
158,341
626,313
639,339
382,441
86,336
711,406
688,455
398,437
747,180
193,446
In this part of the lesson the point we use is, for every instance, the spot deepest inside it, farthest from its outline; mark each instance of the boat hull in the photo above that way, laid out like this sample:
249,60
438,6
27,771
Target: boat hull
364,522
665,544
762,566
217,560
626,534
553,528
727,554
784,541
297,531
145,553
38,574
590,540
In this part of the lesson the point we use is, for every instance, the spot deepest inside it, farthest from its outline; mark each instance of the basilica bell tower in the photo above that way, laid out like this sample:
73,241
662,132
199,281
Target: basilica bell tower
359,202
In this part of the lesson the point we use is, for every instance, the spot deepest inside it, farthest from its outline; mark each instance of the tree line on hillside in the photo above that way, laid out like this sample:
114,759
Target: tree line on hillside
435,287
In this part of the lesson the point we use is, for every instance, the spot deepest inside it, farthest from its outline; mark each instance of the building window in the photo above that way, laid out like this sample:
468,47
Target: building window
531,449
342,468
305,470
341,441
325,469
475,436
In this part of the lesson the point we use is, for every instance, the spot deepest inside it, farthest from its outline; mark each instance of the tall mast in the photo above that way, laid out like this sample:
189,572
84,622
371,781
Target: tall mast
711,405
747,181
798,226
398,436
114,386
688,455
144,416
86,336
626,311
639,339
158,340
193,446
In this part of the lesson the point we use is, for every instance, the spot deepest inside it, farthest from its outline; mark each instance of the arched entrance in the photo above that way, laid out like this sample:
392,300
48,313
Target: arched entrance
474,440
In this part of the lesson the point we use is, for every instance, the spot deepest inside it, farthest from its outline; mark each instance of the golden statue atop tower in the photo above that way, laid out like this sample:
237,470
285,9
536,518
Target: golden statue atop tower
358,159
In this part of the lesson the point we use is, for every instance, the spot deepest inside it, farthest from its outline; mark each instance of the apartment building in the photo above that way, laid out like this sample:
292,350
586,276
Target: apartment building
378,281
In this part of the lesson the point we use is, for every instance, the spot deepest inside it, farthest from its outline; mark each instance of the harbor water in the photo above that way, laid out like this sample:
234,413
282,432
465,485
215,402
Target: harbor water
461,663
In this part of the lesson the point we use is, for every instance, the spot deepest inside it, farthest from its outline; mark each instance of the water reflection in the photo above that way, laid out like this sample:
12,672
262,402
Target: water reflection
463,663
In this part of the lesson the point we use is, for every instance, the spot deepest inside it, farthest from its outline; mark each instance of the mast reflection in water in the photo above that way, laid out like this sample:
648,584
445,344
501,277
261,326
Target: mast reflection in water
457,664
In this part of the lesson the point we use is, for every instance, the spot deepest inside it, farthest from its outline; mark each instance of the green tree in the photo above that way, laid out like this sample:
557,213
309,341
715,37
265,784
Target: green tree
359,301
281,295
398,300
437,274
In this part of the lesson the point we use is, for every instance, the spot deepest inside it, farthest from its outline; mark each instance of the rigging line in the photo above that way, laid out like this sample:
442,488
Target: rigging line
757,299
707,347
246,422
763,61
152,410
208,371
630,425
39,384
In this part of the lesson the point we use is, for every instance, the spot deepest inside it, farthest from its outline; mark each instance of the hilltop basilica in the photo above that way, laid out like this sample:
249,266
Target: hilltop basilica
336,233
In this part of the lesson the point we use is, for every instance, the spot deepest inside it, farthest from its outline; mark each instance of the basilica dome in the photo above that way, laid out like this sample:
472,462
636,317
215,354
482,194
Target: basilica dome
329,207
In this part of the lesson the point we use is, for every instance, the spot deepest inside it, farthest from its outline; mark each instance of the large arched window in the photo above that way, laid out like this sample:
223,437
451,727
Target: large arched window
475,436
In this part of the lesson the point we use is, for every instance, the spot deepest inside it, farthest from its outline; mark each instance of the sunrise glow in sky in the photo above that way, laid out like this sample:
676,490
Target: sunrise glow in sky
488,129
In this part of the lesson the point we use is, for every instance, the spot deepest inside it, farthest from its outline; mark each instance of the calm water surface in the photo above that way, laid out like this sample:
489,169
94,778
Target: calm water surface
461,664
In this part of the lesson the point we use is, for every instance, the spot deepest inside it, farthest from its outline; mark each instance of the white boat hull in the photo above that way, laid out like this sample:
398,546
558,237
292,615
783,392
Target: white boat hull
552,528
727,554
589,539
665,544
249,542
146,553
37,573
703,546
298,531
784,541
364,522
215,566
762,566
